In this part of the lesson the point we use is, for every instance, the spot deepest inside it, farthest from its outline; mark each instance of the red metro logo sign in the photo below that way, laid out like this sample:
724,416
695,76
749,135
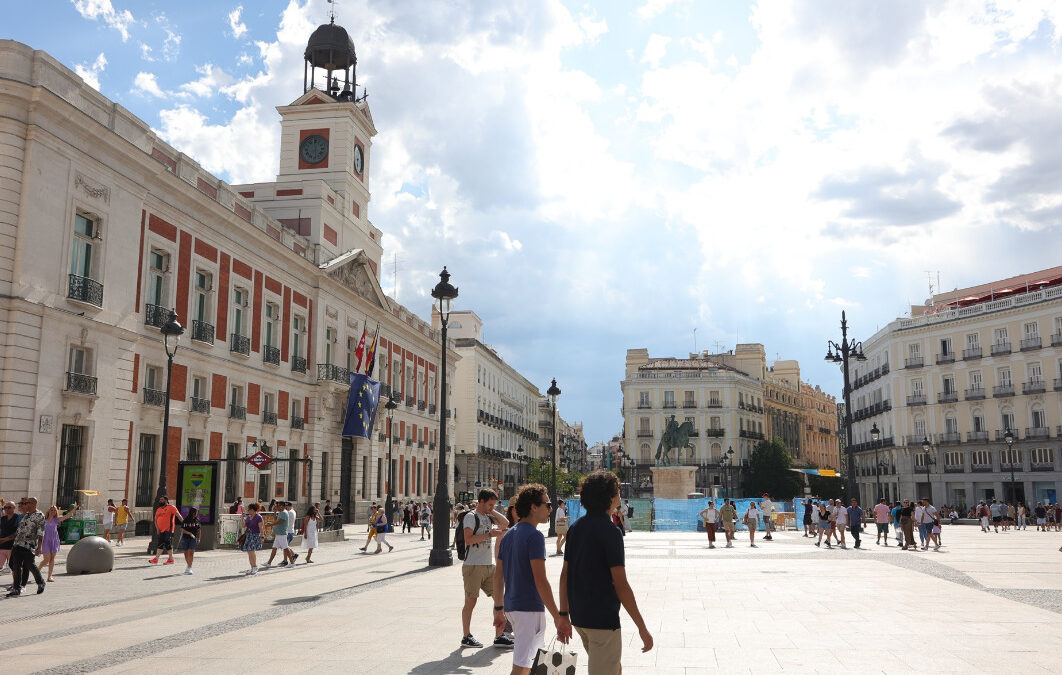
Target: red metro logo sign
259,460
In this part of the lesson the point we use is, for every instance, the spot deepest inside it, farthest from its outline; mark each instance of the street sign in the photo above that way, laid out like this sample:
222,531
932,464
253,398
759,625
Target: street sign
478,484
259,460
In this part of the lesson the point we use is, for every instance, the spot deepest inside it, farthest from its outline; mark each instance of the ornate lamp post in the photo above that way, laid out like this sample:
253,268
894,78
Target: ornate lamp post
171,329
552,393
440,556
875,434
846,351
390,407
1009,438
725,462
926,447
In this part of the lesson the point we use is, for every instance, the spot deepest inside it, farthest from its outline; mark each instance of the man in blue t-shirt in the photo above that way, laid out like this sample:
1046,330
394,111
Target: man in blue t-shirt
895,513
520,579
594,580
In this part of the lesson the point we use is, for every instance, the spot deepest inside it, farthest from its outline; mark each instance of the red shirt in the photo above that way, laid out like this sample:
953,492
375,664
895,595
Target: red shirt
165,516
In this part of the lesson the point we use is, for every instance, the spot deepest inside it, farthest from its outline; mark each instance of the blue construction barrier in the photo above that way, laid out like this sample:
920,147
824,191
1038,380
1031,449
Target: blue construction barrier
683,515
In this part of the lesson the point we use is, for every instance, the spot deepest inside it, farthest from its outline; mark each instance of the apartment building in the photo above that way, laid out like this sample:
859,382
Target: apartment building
944,386
819,437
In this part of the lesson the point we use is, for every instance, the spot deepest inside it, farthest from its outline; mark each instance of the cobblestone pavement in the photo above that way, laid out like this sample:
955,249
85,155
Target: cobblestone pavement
726,610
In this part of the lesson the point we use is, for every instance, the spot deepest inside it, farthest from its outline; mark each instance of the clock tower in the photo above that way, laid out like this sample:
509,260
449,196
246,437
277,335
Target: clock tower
322,189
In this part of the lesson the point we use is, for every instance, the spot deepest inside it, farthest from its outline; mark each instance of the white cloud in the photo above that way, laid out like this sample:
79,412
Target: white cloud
104,11
147,84
655,49
213,80
145,52
654,8
90,73
237,26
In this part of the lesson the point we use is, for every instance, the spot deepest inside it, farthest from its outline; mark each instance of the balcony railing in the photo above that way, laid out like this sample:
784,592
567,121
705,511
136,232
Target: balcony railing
689,404
976,436
297,423
237,412
981,468
422,406
298,364
954,468
432,408
154,397
914,362
271,355
715,404
975,393
200,405
1033,387
1056,339
240,344
947,397
914,439
1043,466
269,418
84,289
1058,384
916,399
644,406
1003,390
1037,432
1031,343
715,433
409,401
202,331
1011,466
946,358
154,315
971,353
1001,348
949,437
669,404
78,383
1001,434
329,372
645,433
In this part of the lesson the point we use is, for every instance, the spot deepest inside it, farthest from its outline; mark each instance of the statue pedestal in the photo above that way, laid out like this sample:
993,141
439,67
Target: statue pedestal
674,482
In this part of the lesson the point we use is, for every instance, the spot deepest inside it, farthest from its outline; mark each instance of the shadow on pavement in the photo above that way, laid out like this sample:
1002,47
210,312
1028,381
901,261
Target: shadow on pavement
296,600
458,664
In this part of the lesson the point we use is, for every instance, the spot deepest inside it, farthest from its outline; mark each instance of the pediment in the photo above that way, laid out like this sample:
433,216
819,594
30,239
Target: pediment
352,269
313,96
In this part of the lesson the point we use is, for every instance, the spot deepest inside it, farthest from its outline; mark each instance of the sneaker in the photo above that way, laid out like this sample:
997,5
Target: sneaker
844,546
711,545
503,641
154,561
753,546
188,571
14,592
40,588
294,557
264,566
729,545
828,546
819,544
469,641
254,570
283,564
246,572
168,562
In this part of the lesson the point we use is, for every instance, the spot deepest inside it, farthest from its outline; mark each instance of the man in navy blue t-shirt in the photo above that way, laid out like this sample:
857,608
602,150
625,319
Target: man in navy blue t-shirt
594,580
520,579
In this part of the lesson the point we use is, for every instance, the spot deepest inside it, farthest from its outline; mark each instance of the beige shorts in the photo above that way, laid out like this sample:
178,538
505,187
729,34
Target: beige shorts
478,578
604,649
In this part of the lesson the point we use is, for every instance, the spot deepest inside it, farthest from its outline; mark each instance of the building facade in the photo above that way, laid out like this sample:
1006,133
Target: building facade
819,438
107,228
956,376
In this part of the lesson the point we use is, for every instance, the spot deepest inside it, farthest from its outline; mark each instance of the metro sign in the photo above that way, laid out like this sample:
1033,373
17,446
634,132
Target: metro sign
259,460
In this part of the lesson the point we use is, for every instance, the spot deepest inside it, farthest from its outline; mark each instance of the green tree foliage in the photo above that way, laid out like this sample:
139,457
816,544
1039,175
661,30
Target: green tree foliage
769,471
538,471
826,487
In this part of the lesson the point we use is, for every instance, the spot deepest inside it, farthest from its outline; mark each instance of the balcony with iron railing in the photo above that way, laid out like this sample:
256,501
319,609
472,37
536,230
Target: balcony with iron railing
645,433
971,353
271,355
914,362
644,405
330,372
981,468
79,383
1034,386
949,438
240,344
1011,466
954,468
914,439
199,405
946,358
1056,339
1001,348
154,315
297,422
432,408
1001,434
154,397
689,404
669,404
1058,384
422,406
202,331
1043,466
1037,433
715,404
974,393
1003,390
237,412
715,433
83,289
947,397
269,417
1030,343
298,364
409,401
916,399
976,436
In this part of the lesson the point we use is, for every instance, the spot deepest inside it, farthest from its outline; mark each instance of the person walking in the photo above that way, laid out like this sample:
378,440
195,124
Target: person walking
855,519
280,540
593,581
729,514
293,520
309,531
840,522
166,518
617,520
824,524
425,520
767,508
809,525
710,515
881,520
252,535
372,529
380,525
751,520
1022,513
927,519
630,514
477,573
108,518
122,517
50,544
897,530
8,527
907,522
520,582
25,547
190,528
1041,517
561,525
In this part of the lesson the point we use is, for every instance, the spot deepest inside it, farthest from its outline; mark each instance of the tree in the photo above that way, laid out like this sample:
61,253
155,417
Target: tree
538,471
769,471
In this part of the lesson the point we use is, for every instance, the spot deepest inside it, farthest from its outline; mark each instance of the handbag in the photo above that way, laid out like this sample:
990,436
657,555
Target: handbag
241,540
554,660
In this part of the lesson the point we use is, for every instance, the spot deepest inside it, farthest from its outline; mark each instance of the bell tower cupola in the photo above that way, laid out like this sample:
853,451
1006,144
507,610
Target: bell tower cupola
330,49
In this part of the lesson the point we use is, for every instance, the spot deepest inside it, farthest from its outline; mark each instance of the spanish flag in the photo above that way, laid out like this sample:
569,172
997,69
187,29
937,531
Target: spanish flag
370,359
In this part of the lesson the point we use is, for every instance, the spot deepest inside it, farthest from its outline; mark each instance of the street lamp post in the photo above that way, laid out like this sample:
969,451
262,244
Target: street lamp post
926,447
440,556
875,434
171,329
552,393
725,462
1009,438
845,351
388,503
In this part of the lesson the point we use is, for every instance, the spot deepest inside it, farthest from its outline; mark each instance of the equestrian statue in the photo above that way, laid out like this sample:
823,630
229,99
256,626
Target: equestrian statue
675,437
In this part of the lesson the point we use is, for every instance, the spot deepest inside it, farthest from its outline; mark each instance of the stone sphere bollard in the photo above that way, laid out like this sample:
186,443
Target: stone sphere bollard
91,555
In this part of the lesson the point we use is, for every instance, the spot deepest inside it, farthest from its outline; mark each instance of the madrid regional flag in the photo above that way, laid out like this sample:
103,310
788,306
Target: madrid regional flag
361,406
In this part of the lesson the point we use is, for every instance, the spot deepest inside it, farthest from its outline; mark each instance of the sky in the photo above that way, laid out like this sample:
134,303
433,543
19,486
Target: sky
666,174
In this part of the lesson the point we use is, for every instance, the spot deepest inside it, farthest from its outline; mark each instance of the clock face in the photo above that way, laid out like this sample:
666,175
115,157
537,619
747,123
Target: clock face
313,149
359,159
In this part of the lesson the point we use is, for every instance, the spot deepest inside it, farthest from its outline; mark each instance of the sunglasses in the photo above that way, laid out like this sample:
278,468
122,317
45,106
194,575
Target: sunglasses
548,505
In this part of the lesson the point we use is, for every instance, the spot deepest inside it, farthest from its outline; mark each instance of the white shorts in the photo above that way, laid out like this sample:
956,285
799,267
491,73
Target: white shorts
529,635
280,541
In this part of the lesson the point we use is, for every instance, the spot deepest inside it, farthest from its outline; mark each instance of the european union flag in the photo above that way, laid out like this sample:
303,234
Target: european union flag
361,406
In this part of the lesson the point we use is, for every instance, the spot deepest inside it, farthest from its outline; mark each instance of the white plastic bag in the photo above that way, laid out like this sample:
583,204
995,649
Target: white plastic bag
555,659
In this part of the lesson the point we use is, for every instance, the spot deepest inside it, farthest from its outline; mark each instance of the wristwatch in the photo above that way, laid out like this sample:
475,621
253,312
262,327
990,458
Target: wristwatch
563,613
499,608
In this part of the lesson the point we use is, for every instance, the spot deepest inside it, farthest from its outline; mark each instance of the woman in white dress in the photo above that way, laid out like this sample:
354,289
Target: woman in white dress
309,531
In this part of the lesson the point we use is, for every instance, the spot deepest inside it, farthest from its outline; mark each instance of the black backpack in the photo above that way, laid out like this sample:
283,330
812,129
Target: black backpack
459,535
